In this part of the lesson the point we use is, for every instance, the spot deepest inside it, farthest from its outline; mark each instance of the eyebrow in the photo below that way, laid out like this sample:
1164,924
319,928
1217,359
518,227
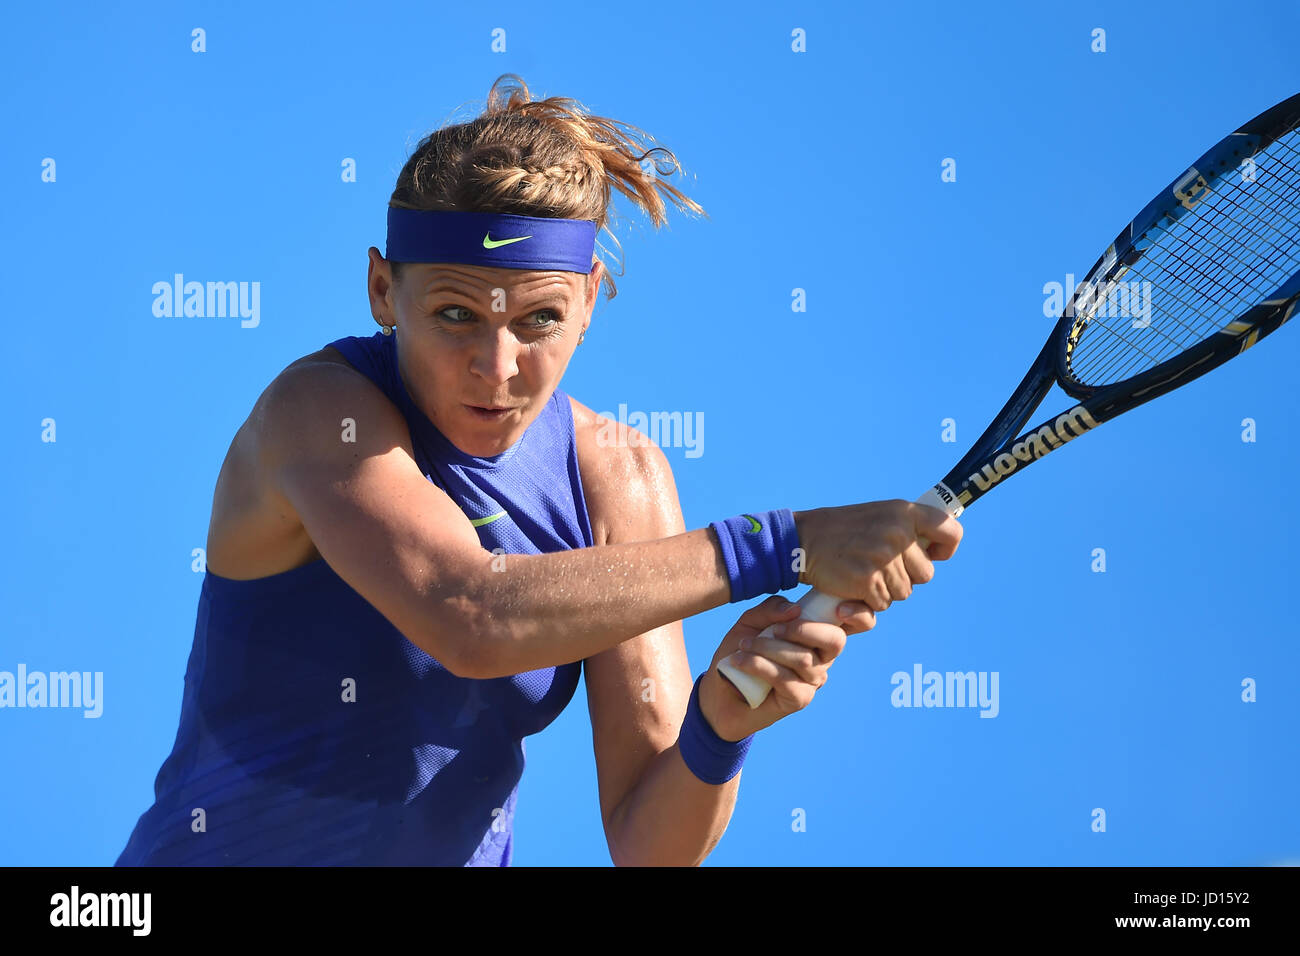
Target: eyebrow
547,299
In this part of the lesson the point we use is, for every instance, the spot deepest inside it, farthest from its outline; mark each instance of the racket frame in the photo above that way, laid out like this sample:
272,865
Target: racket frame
1003,449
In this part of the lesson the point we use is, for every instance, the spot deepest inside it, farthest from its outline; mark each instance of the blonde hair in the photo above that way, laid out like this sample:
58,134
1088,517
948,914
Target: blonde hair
538,158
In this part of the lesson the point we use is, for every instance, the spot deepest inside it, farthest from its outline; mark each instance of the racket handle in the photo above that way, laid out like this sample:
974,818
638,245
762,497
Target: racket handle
816,606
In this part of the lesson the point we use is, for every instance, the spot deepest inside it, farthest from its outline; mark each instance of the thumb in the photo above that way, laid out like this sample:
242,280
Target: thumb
772,611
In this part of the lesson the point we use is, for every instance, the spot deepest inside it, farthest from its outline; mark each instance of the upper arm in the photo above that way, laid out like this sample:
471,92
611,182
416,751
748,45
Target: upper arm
637,691
338,453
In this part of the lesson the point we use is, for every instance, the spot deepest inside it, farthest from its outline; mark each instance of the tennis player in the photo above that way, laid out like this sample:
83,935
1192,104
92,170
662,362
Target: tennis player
418,542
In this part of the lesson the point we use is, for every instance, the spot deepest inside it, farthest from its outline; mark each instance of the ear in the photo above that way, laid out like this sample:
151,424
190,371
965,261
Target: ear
594,278
379,287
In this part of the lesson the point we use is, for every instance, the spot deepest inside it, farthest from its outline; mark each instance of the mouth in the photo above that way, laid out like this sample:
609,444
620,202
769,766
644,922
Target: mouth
489,413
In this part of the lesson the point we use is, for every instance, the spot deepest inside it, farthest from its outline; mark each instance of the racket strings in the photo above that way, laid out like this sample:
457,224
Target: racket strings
1248,271
1236,246
1242,248
1257,237
1241,255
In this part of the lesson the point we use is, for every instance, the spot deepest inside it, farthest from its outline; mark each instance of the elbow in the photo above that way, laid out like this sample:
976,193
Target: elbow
471,658
616,856
625,851
643,848
620,859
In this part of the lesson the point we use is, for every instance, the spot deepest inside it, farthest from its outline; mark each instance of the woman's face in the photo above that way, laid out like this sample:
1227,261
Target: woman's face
472,338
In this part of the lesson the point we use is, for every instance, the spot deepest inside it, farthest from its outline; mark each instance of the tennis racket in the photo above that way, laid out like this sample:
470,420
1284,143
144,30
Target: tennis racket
1218,254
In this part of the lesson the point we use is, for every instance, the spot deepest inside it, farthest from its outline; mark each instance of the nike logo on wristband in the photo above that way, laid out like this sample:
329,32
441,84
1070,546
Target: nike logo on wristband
755,526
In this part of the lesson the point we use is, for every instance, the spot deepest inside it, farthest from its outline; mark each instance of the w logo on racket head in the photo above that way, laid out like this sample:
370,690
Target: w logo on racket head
1191,188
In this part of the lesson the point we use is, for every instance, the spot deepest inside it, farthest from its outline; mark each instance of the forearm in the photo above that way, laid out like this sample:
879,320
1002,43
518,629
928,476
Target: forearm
523,612
671,817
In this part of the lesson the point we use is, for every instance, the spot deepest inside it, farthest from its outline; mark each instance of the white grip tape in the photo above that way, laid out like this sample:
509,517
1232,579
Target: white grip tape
816,606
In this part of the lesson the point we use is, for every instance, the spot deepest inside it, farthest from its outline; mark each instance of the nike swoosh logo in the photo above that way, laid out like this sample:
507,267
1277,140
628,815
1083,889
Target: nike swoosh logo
754,526
490,243
480,522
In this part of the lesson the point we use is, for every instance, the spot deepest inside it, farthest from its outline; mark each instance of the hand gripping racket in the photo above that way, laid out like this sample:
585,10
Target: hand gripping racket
1218,254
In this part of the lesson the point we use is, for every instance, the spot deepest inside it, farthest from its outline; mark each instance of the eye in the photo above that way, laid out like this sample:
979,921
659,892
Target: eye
541,320
443,313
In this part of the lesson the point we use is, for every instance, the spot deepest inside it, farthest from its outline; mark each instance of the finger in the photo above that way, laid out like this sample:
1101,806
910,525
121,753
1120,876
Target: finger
790,691
900,585
941,529
771,611
856,617
803,661
919,566
801,646
877,597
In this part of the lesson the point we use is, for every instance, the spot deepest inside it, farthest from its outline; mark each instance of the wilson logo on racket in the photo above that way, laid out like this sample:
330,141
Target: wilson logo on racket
1215,261
1067,427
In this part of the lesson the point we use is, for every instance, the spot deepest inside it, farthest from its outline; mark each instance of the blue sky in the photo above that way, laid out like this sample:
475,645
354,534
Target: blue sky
820,170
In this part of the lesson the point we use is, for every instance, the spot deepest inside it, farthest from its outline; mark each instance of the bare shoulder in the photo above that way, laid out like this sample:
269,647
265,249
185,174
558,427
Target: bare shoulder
300,379
254,531
626,480
302,412
307,397
308,378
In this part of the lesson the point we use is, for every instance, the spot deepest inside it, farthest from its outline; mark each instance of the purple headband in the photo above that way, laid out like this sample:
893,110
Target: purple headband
492,239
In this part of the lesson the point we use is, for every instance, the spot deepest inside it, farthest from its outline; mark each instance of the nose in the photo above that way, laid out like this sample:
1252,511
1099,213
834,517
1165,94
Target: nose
495,358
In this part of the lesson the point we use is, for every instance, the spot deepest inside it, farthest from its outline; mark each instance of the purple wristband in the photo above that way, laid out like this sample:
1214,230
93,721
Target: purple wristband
758,551
707,755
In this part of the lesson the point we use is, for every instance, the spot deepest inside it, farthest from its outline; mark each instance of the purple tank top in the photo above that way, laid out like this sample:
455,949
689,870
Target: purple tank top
313,733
